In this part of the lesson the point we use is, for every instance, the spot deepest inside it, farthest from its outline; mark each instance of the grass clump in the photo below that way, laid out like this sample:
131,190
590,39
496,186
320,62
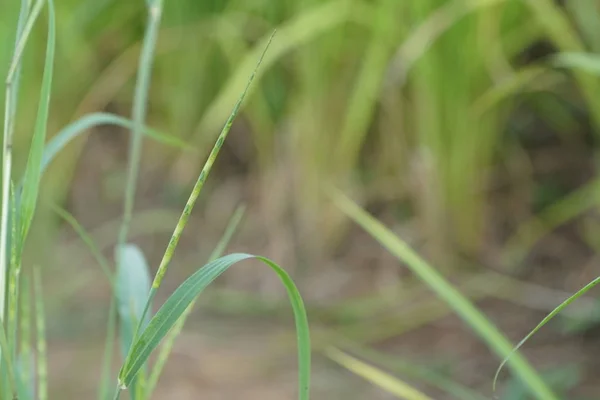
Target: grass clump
140,330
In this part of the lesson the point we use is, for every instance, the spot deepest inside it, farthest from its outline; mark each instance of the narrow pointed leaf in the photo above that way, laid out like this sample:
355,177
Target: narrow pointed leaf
79,127
544,321
33,170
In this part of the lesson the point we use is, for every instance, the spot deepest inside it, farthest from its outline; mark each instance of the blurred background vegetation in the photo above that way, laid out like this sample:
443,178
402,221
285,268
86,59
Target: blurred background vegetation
470,127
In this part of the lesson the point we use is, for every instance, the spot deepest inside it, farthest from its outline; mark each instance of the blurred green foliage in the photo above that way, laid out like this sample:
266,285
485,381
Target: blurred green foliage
408,99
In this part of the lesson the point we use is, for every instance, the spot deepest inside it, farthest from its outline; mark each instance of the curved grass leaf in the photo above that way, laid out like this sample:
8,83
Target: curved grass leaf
587,62
169,340
544,321
454,298
73,130
179,301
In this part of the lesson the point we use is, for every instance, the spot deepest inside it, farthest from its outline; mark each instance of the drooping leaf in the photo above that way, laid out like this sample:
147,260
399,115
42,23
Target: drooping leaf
177,303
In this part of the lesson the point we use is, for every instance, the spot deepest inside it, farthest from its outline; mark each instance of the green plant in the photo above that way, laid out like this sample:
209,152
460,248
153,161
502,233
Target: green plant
140,331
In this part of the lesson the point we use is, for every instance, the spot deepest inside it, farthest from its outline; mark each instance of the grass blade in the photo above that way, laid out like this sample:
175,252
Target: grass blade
40,323
105,382
419,372
8,373
461,305
33,170
10,113
88,241
77,128
22,40
387,382
26,361
204,175
169,340
140,100
179,301
544,321
586,62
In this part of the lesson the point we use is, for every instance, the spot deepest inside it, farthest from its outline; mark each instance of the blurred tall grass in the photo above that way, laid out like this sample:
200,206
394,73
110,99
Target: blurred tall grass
415,104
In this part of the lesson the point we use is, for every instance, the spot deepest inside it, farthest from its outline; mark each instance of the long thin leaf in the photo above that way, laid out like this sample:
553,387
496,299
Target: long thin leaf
169,340
178,302
587,62
187,210
387,382
89,242
33,170
79,127
544,321
461,305
10,370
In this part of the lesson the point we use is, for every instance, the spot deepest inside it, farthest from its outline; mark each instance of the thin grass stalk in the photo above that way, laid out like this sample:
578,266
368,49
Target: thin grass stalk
169,340
183,219
89,242
13,280
10,111
187,210
10,381
25,347
105,385
139,113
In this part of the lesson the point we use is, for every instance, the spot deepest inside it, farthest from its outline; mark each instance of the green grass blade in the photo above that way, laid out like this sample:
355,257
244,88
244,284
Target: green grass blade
23,38
376,376
297,32
544,321
79,127
587,62
167,346
106,383
88,241
172,245
40,323
10,113
8,372
415,371
26,361
204,174
461,305
140,104
177,303
34,162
